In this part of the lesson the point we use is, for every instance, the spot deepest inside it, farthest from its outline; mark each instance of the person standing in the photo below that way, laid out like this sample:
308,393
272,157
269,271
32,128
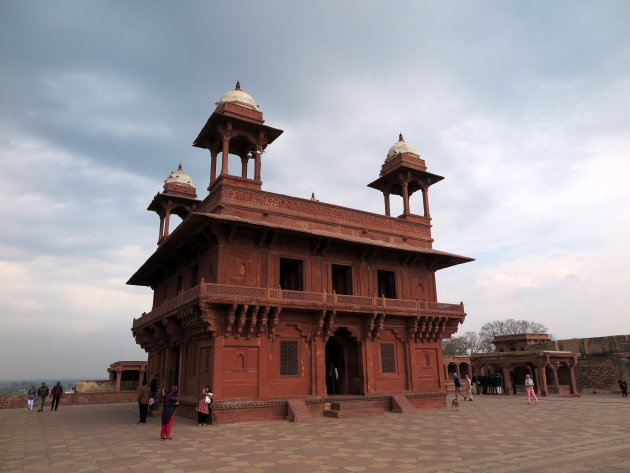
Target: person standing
623,386
469,388
42,394
203,407
458,386
57,392
32,395
170,403
529,388
333,379
143,402
499,383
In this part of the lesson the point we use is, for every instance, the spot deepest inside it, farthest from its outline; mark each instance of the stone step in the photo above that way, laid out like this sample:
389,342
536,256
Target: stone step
360,412
350,405
401,405
297,411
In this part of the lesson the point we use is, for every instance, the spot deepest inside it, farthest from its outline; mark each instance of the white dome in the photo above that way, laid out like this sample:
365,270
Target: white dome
401,146
240,97
179,177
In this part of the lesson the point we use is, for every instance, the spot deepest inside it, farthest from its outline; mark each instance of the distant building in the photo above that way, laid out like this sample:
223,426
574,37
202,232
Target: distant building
603,360
123,376
271,299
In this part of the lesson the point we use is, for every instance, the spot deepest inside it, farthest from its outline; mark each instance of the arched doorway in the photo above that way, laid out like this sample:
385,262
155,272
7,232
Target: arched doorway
344,373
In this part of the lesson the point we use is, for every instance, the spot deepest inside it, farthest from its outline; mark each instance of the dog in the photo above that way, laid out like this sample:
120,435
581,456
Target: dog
455,405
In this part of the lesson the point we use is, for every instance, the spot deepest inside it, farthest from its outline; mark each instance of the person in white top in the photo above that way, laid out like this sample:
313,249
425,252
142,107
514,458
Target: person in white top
529,389
469,388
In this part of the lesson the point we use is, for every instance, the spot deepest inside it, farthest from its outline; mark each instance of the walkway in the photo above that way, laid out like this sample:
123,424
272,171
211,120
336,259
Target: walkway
492,434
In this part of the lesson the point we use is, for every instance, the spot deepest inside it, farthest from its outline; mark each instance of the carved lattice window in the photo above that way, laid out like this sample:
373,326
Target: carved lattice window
288,358
388,360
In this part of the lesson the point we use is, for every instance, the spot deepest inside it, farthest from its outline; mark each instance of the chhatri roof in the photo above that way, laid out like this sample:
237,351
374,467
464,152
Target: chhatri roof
179,177
239,97
400,147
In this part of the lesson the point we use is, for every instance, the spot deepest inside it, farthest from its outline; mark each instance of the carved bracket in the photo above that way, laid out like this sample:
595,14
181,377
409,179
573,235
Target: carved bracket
329,323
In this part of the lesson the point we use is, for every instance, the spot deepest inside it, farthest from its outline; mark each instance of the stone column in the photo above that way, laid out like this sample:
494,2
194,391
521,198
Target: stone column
226,151
118,379
257,164
542,380
244,167
161,233
554,372
405,192
425,200
213,166
386,197
166,222
507,386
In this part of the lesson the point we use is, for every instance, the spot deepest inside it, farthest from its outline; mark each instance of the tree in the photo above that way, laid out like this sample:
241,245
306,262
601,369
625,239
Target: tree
466,344
453,346
481,342
509,327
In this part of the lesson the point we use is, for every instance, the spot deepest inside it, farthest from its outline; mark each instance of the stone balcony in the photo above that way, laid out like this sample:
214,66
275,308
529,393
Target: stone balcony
230,295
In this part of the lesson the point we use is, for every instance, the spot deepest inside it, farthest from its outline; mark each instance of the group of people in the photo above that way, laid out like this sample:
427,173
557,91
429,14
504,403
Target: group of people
493,384
41,394
150,397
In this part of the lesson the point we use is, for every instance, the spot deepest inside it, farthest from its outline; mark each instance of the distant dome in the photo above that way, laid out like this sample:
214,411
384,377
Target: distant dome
179,177
400,147
239,97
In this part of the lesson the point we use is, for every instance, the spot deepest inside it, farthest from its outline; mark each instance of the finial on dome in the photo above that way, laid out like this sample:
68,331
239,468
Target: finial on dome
238,85
179,168
400,138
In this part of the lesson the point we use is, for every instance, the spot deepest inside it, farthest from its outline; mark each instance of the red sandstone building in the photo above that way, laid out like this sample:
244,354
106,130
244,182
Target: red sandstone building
263,296
515,356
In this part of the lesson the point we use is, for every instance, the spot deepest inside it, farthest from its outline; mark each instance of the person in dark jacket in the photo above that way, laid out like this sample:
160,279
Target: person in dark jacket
57,392
42,394
623,386
143,402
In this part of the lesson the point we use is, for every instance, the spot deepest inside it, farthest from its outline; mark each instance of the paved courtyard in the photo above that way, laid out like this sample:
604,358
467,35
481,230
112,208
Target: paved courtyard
492,434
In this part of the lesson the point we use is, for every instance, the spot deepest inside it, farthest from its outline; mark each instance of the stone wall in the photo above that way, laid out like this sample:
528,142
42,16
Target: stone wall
597,374
95,386
604,360
14,402
598,346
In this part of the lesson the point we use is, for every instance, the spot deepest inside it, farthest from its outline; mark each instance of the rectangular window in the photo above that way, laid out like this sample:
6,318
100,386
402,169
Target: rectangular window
388,358
341,279
288,358
386,284
291,274
180,284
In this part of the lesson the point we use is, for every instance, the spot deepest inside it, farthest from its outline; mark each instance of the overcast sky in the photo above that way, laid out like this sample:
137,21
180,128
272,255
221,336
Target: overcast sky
522,106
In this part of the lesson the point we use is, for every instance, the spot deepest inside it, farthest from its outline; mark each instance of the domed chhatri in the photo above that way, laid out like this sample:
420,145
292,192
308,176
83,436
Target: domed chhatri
179,177
239,97
400,147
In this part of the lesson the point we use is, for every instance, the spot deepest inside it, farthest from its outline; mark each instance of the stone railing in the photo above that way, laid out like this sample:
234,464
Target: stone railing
227,294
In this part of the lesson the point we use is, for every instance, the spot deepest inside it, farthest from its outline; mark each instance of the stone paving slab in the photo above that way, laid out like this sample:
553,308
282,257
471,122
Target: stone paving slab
498,434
